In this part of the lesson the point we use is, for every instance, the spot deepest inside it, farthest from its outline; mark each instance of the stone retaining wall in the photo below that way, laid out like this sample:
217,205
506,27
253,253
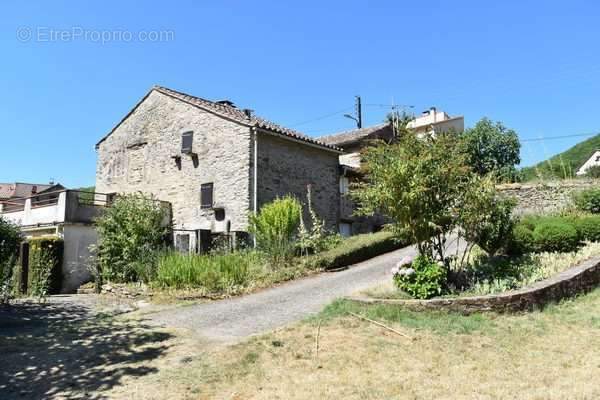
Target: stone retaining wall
576,280
544,197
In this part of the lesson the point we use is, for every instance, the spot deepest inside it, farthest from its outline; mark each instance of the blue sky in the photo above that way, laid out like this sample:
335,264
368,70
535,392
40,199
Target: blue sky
532,65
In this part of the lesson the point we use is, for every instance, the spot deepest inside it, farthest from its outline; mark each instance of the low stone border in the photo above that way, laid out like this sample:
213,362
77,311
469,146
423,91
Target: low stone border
580,279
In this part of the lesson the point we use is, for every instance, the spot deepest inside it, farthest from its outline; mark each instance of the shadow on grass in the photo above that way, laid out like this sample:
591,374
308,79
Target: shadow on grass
51,350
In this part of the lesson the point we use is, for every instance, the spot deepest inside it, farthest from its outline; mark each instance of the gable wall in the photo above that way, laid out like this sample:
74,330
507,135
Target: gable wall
137,157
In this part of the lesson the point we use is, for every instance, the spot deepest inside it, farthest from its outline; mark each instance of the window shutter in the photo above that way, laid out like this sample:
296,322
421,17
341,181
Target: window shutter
206,195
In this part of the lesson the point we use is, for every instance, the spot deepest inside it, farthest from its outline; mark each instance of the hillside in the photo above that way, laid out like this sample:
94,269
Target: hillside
563,165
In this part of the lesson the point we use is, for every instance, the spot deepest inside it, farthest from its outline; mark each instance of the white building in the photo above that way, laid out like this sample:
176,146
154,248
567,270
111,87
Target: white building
65,214
433,121
593,161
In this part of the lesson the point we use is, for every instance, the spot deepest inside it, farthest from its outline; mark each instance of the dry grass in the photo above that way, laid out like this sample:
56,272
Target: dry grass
549,354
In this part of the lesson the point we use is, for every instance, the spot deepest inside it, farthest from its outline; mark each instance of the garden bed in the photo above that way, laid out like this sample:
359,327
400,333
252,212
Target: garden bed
578,279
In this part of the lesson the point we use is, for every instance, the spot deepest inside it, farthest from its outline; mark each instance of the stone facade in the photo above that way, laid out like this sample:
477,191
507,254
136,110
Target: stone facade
139,156
286,168
545,197
144,154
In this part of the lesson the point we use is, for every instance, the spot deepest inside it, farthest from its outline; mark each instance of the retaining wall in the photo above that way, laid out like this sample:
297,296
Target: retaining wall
576,280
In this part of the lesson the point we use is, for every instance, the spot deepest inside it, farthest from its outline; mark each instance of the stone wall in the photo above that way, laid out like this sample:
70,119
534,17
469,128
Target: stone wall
544,197
287,168
139,157
579,279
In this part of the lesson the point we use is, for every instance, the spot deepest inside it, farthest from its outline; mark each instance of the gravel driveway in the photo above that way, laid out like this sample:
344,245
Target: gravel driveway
234,319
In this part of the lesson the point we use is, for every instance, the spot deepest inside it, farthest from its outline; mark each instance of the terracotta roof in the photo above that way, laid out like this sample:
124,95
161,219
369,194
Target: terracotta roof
232,113
343,138
19,189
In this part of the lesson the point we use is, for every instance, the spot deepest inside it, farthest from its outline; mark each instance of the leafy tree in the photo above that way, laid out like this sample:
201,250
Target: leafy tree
128,230
484,217
418,183
492,148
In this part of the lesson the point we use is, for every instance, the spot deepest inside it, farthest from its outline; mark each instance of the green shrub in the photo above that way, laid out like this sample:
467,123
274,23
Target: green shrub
275,228
494,231
521,240
588,227
215,273
355,249
10,240
45,273
587,200
556,236
593,172
128,230
423,279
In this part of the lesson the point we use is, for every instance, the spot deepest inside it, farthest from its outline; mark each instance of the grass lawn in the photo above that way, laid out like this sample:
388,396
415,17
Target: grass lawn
549,354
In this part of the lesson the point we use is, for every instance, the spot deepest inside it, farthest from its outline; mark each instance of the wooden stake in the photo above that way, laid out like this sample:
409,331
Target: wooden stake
317,341
381,325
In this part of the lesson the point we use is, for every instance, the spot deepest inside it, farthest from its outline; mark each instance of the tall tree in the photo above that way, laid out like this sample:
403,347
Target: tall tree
492,148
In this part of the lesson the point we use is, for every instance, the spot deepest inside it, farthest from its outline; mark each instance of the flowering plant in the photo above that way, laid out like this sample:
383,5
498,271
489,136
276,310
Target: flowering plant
422,278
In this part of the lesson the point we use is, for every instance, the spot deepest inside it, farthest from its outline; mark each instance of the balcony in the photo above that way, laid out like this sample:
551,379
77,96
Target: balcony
66,206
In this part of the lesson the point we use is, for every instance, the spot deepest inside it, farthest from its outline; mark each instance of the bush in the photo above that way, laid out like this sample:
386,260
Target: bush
593,171
45,274
545,233
587,200
215,273
10,240
588,227
275,228
355,249
423,279
128,230
521,240
556,236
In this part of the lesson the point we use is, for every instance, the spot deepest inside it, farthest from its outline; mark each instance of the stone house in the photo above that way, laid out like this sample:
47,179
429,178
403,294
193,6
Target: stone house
352,142
214,163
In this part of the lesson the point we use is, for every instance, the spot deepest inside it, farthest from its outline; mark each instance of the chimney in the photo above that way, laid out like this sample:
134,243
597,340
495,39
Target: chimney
248,112
432,111
226,102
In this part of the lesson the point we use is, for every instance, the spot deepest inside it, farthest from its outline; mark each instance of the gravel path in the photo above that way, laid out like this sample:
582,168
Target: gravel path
237,318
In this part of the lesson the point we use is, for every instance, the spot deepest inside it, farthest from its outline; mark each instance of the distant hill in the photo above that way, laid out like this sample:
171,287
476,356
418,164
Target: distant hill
563,165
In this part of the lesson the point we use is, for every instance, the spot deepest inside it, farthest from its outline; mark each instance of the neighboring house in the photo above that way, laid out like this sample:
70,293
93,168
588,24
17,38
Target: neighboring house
433,121
353,141
593,161
57,212
214,163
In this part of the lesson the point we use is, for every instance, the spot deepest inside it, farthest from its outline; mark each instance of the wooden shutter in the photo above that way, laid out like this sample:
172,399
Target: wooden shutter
206,195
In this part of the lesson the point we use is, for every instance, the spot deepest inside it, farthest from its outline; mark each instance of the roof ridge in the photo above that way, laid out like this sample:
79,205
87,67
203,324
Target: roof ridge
241,117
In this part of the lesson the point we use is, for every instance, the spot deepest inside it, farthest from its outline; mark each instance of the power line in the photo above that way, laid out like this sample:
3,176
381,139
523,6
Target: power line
541,139
321,117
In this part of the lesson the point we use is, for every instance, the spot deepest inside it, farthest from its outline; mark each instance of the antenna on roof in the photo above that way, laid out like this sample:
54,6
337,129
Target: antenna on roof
51,181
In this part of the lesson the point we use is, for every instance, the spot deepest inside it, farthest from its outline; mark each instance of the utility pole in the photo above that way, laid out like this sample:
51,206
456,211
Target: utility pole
357,113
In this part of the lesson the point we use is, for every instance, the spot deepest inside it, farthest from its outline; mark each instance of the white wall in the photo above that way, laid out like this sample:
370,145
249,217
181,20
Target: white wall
592,161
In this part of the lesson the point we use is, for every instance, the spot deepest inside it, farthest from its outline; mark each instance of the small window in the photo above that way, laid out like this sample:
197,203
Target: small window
345,229
343,184
187,139
206,195
182,243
